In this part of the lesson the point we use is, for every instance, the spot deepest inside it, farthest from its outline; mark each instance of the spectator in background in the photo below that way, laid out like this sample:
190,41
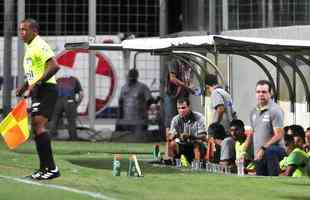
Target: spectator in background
216,135
307,141
187,132
267,132
70,95
134,100
222,105
228,149
295,130
299,130
297,159
177,85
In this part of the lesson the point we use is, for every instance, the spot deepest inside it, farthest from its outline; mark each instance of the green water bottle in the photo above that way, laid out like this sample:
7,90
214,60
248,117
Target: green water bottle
156,152
132,171
116,168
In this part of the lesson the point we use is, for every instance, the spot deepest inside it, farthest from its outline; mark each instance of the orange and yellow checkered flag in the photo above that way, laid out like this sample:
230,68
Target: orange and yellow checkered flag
14,127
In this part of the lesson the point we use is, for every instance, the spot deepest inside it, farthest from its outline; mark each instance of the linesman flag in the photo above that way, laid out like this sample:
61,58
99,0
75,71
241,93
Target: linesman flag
14,127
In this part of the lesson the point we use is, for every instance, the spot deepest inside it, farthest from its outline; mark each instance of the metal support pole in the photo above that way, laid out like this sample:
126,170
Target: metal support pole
212,17
201,15
7,54
263,13
230,75
92,63
225,19
270,13
126,61
162,17
20,44
162,31
237,16
58,17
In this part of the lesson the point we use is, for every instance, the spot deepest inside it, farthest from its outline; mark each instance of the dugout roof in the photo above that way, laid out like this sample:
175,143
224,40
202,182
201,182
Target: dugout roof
255,49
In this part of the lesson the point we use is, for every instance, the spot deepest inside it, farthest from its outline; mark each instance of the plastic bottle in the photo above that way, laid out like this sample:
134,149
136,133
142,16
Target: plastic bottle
116,166
177,163
240,167
156,152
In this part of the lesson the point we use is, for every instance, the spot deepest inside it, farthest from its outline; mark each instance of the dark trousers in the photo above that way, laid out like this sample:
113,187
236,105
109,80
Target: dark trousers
187,149
69,107
269,165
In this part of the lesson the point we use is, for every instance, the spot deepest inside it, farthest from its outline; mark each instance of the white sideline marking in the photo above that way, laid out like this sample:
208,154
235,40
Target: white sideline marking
92,194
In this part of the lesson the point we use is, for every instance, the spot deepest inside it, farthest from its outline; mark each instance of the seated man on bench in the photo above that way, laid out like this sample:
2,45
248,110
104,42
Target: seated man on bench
187,132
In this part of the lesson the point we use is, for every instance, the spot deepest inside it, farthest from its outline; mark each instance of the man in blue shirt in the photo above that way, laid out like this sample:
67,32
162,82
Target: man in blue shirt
70,95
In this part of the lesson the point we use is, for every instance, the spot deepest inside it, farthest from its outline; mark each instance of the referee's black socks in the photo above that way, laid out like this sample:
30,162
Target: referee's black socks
44,149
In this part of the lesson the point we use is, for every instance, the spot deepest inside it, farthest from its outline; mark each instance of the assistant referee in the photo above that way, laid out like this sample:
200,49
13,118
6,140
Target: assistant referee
40,68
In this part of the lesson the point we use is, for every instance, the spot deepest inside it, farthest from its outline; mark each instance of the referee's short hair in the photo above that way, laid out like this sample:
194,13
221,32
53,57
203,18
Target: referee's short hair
34,25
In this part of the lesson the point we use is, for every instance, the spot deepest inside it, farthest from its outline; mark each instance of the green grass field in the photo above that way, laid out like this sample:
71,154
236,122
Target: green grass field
86,174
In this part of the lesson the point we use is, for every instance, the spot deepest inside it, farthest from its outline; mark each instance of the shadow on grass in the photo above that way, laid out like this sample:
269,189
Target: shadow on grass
73,152
296,197
79,152
96,163
299,184
295,183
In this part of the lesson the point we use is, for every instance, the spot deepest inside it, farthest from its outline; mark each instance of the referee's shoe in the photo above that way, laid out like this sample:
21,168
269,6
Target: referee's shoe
45,174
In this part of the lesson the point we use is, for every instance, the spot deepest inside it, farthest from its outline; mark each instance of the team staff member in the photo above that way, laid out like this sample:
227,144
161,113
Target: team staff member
267,132
40,68
222,105
188,131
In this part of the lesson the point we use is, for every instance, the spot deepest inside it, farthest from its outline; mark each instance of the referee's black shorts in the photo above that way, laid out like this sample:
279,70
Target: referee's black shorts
43,100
